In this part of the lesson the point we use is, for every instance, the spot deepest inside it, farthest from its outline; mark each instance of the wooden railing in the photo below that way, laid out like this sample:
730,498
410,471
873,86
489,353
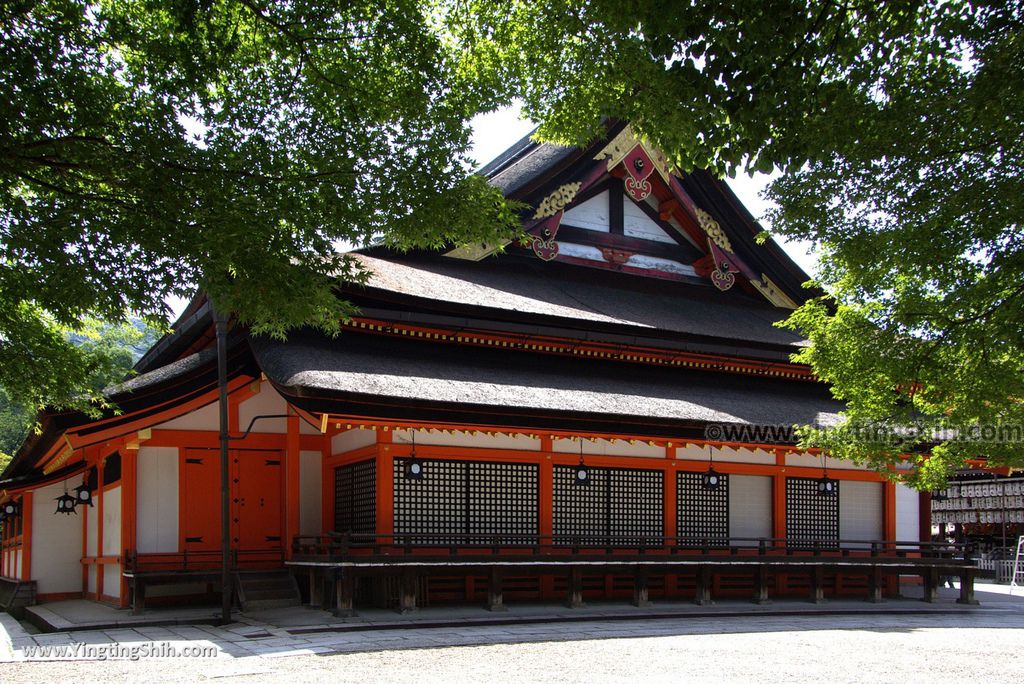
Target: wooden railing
510,547
200,561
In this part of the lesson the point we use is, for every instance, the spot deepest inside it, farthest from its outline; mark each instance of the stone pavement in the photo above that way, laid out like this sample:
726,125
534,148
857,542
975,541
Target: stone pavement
302,631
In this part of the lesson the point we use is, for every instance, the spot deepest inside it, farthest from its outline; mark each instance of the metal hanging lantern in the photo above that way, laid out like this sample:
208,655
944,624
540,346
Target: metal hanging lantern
83,495
413,466
66,503
711,480
10,509
826,485
582,474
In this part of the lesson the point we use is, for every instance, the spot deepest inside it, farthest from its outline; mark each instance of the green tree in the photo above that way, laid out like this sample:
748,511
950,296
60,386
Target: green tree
151,146
113,349
899,128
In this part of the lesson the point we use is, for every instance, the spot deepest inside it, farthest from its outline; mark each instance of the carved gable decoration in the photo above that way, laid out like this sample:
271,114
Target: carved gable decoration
638,160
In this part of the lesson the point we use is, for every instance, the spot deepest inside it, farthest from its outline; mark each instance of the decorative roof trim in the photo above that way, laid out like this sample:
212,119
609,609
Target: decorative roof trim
592,350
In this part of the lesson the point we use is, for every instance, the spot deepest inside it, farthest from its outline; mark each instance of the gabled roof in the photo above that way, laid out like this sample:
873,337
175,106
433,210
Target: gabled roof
579,301
716,234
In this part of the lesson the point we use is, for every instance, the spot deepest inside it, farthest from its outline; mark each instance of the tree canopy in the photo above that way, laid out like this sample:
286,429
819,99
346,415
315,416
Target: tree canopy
148,147
899,129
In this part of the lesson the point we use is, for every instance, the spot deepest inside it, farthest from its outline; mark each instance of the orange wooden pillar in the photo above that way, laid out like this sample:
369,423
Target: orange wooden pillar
26,536
326,483
385,485
671,512
100,465
779,512
889,529
546,495
292,491
129,494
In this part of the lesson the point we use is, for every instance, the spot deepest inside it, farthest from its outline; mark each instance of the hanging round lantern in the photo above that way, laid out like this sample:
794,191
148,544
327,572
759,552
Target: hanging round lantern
413,466
66,504
711,479
414,469
83,495
581,476
10,509
827,486
939,495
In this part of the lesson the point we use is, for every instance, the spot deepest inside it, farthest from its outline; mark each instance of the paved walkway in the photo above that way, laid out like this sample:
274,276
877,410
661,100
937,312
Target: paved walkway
302,631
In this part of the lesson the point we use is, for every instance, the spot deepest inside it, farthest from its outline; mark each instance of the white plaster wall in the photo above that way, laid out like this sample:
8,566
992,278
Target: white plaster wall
205,418
311,492
591,215
659,264
267,403
750,507
92,514
112,522
91,586
814,461
56,544
17,563
466,439
112,580
352,439
861,514
614,447
157,497
635,223
696,452
907,514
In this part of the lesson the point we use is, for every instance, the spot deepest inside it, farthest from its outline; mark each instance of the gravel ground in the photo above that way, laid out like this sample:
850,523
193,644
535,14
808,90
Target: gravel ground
982,647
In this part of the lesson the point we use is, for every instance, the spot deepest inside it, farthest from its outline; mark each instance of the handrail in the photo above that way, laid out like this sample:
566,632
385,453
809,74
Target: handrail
410,543
197,560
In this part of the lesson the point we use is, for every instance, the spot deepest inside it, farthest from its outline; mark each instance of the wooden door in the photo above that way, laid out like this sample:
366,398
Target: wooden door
256,500
200,500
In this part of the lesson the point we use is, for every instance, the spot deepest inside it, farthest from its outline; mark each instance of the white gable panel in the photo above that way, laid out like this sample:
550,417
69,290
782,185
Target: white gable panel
637,224
590,215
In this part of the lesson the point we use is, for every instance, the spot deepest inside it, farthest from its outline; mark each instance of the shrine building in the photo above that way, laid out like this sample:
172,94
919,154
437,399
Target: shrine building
602,412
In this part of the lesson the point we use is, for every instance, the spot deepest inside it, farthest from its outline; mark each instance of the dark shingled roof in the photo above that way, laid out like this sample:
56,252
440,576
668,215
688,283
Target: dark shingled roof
396,371
578,296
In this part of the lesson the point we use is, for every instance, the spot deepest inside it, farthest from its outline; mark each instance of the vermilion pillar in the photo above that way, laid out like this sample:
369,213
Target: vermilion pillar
291,480
385,484
26,536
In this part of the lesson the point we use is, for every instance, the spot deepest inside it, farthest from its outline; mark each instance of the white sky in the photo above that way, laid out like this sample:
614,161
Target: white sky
495,132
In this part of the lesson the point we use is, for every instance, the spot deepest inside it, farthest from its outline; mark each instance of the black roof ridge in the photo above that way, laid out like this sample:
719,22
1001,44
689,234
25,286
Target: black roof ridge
521,146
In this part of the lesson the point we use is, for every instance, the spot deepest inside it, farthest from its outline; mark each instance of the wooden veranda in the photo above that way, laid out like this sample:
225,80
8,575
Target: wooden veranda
334,564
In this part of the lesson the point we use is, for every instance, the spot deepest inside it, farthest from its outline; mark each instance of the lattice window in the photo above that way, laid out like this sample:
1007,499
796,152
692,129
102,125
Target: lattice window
355,504
455,499
619,506
810,517
503,500
580,512
636,506
702,515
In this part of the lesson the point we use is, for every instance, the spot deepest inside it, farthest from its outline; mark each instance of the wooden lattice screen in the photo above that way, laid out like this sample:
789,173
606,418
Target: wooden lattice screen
620,505
810,517
456,498
702,515
355,505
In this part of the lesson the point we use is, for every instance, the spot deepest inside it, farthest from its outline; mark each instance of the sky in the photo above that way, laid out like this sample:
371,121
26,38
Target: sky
495,132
